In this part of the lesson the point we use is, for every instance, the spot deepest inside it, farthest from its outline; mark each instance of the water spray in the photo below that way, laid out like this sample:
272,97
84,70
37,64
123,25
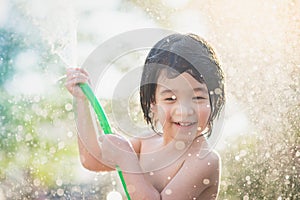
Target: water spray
92,99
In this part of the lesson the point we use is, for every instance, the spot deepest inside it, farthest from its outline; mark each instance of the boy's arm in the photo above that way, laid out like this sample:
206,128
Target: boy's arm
90,152
89,149
197,179
116,151
121,152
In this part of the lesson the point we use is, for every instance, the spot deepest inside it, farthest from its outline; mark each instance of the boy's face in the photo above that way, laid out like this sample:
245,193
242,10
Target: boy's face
182,106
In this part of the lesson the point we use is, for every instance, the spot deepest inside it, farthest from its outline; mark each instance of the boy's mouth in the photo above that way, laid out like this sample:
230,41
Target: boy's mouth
185,124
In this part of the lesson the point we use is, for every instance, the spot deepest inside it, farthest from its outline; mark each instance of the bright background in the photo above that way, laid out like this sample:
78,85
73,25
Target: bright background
257,41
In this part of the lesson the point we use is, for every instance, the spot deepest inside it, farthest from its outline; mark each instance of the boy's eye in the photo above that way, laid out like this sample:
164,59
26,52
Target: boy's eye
172,98
169,99
199,98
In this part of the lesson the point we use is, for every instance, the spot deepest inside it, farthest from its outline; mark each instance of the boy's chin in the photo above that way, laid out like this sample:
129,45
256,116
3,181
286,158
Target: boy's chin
185,136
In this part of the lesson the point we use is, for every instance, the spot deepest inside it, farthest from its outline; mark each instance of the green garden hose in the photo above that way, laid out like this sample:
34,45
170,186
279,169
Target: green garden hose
103,123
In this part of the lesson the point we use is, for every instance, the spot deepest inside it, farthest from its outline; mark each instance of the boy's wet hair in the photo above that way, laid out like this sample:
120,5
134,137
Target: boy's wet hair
174,55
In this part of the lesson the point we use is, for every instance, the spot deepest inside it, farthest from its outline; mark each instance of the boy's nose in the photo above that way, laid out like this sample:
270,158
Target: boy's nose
184,110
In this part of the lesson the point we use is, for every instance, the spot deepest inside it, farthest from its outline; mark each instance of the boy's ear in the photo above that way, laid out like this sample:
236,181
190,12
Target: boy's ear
153,107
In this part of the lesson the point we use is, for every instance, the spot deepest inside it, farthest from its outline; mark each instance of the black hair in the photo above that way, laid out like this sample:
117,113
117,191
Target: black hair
176,54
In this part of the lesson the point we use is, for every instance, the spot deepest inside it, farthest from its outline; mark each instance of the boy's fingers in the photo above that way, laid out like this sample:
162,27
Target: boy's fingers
77,76
76,73
84,71
72,69
75,81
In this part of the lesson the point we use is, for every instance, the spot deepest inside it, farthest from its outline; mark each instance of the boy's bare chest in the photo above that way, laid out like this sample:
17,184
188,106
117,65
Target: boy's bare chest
161,167
160,175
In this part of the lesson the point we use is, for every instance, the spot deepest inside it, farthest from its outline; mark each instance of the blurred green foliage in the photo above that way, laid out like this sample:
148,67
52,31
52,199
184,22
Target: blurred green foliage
34,150
10,45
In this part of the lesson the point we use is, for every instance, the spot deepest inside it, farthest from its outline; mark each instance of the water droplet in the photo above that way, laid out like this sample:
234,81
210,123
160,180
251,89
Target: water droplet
206,181
179,145
27,117
60,192
114,195
52,150
71,116
168,191
36,99
59,182
169,178
267,155
247,178
287,176
36,182
20,128
246,197
243,153
68,107
18,137
199,128
70,134
218,91
131,188
151,173
43,160
28,137
189,154
61,145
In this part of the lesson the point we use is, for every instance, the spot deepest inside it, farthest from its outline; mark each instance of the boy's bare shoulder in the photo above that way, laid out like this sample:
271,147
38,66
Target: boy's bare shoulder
137,143
211,155
208,160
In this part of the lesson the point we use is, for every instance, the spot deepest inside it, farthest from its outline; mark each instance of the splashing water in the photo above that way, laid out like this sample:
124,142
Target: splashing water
114,195
258,43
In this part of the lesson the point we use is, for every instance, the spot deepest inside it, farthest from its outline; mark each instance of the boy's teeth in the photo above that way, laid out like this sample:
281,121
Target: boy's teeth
184,124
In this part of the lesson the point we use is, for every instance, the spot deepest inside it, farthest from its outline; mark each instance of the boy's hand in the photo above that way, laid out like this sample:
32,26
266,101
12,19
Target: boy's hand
75,76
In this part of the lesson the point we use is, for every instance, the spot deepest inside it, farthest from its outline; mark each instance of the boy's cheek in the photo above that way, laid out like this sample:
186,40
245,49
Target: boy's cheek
162,113
160,110
205,107
204,113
